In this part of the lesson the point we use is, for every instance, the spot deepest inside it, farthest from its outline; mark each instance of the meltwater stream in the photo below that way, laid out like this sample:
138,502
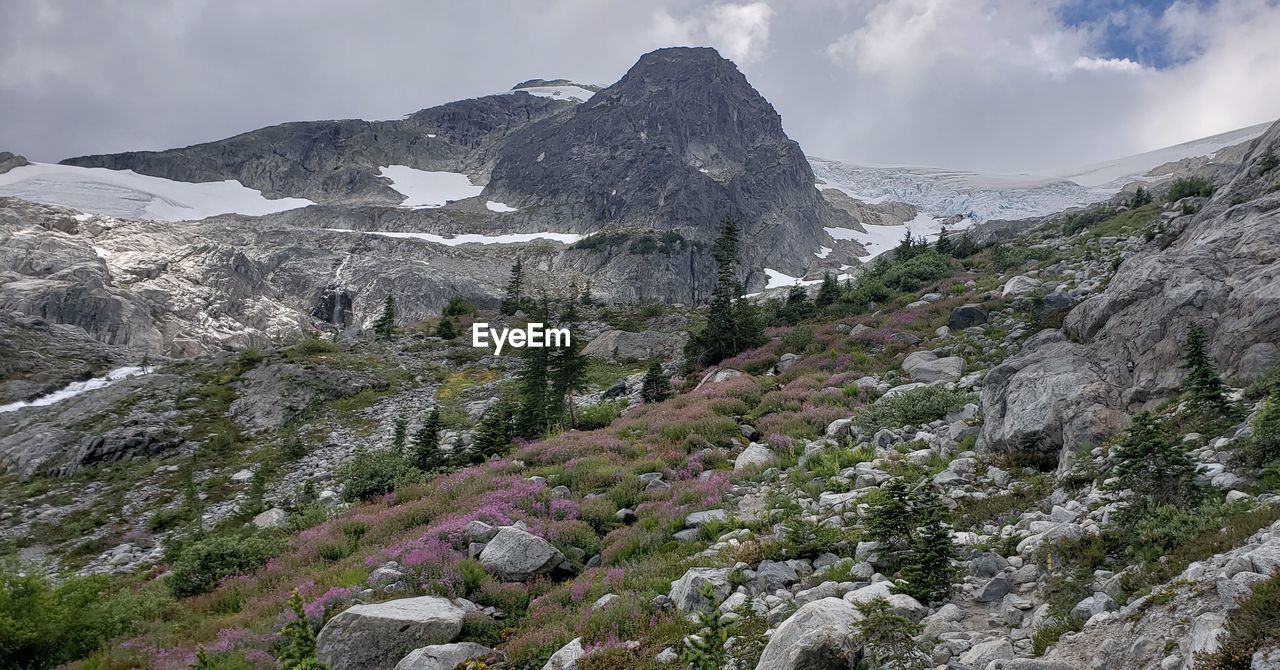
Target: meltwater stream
74,389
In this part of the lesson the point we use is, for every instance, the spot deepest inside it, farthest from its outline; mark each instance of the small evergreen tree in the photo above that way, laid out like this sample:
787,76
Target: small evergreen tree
399,434
929,567
514,299
732,325
944,245
425,450
797,307
655,387
1268,162
889,639
298,640
889,519
1154,465
492,436
1140,197
385,327
536,409
568,367
828,292
705,649
1206,394
445,330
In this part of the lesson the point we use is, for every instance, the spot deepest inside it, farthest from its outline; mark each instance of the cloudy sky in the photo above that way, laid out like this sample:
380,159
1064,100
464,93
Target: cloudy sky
997,85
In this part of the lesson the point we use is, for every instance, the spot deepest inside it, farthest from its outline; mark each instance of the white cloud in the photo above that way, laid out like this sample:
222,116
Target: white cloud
740,31
1103,64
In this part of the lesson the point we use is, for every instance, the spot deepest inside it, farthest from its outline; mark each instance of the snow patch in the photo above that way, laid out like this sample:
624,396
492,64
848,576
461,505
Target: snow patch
879,239
75,388
822,252
424,188
567,92
127,194
512,238
494,206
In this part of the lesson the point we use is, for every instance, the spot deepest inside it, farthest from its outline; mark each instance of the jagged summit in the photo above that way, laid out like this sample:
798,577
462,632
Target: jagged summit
679,141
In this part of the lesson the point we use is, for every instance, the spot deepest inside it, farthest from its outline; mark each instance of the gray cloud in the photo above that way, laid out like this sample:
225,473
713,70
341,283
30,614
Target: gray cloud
989,84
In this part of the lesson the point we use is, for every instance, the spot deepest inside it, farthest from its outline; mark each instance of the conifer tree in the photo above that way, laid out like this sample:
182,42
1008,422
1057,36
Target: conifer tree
797,308
568,366
385,327
655,387
732,326
298,640
536,409
1153,464
888,639
929,567
399,433
828,292
705,650
944,245
1206,394
889,520
514,299
445,330
425,450
492,436
1140,197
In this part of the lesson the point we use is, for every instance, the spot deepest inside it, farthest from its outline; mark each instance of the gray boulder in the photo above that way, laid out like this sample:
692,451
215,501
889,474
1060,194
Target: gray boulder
621,345
442,656
925,366
516,555
820,635
754,456
374,637
966,316
687,592
567,657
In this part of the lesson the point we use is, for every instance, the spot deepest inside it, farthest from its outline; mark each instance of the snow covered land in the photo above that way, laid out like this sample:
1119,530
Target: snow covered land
127,194
75,389
425,188
511,238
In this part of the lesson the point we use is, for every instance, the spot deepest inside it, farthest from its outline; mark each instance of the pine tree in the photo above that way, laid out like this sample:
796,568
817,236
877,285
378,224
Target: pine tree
536,407
425,450
944,244
298,640
1154,465
1206,394
399,434
929,567
828,292
705,650
732,325
655,388
492,436
888,639
514,299
568,367
385,327
797,308
889,520
1140,197
445,330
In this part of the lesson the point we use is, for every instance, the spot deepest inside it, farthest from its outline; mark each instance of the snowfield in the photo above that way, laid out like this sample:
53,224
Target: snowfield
129,195
495,206
567,92
423,188
74,389
879,239
512,238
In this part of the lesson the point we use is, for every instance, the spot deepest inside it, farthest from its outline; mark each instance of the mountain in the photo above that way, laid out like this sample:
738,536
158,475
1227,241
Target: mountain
943,192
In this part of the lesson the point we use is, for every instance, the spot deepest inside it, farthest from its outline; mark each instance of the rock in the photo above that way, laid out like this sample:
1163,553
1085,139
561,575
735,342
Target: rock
1019,285
626,516
772,575
1028,664
372,637
866,594
272,518
480,531
700,519
686,592
1095,604
754,456
621,345
604,601
1266,558
904,605
995,589
442,656
567,657
982,654
925,366
786,361
821,634
966,316
516,555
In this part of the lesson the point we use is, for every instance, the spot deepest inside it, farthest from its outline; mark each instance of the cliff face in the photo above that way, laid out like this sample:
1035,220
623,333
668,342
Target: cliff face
1122,349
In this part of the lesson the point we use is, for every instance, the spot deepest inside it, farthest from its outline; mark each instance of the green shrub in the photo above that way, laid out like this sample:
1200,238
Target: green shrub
1188,187
201,564
599,416
1263,447
888,639
370,474
312,346
1250,628
913,407
43,624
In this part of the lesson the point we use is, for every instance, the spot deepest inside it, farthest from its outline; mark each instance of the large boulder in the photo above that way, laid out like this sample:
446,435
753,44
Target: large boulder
755,455
376,637
967,316
567,657
1020,285
516,555
442,656
687,592
819,636
925,366
621,345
